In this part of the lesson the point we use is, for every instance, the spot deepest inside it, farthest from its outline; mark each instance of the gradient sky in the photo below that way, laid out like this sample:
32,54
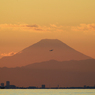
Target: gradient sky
25,22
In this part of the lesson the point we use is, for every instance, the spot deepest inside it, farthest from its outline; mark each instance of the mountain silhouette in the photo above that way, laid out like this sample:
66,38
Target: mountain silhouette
44,50
87,65
52,73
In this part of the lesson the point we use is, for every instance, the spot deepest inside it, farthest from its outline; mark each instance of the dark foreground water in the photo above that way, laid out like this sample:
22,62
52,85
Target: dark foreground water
47,91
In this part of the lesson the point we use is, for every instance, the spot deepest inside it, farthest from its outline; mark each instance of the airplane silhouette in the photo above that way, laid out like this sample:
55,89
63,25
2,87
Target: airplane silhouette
51,50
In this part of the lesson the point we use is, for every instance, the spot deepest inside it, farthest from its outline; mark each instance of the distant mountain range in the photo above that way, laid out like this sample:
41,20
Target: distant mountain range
44,50
49,62
52,73
73,65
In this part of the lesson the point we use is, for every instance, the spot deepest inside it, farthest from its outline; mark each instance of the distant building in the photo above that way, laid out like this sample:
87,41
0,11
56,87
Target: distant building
12,86
8,86
43,86
84,86
7,83
2,84
31,87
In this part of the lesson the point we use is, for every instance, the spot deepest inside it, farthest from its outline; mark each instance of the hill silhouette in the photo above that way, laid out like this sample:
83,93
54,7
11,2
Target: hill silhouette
40,52
52,73
73,65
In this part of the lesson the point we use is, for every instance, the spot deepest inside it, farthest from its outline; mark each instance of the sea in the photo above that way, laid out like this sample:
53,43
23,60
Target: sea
47,91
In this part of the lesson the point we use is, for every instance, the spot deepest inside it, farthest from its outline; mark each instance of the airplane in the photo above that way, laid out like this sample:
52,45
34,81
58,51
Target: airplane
51,50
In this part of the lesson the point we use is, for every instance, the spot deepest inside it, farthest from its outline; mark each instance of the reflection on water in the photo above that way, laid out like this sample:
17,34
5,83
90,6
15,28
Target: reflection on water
47,91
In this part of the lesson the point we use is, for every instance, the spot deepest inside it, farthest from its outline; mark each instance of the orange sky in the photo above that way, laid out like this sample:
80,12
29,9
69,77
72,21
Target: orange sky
24,22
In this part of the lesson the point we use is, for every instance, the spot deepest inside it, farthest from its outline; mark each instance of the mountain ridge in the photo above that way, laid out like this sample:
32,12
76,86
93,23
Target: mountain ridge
68,73
40,52
81,65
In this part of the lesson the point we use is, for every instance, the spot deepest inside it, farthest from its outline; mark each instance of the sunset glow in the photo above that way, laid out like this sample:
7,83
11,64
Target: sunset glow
25,22
47,43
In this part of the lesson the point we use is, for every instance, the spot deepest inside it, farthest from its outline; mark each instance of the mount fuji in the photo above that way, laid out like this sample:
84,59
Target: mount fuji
44,50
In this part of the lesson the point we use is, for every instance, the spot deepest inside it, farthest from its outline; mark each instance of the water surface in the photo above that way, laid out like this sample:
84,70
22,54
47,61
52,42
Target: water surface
47,91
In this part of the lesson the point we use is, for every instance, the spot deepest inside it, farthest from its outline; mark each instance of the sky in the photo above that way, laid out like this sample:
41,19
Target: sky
25,22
